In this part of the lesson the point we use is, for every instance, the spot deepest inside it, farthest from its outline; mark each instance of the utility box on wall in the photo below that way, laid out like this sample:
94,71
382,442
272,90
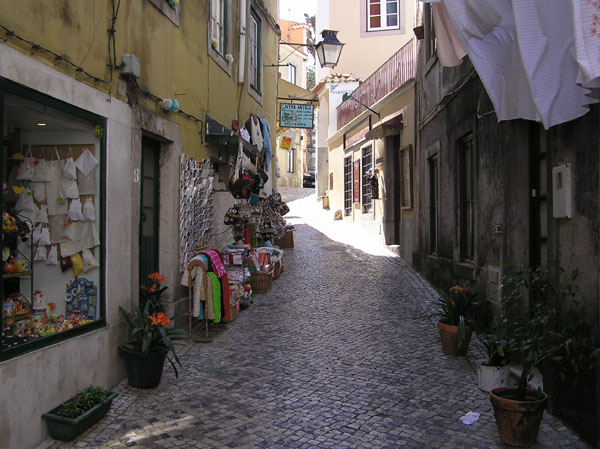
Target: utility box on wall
561,191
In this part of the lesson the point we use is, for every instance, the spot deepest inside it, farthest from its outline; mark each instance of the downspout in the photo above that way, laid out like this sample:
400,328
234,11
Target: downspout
242,58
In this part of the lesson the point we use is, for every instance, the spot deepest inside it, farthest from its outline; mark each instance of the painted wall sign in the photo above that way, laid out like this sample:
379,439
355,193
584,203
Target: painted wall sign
296,115
357,134
356,182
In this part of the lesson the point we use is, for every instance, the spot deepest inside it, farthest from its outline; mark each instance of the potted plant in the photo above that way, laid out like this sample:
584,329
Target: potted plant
455,311
533,315
495,370
152,340
80,412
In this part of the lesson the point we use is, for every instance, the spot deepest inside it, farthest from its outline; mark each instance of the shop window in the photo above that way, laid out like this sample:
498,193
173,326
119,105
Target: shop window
52,251
406,169
291,162
466,155
219,33
433,204
347,185
367,166
255,50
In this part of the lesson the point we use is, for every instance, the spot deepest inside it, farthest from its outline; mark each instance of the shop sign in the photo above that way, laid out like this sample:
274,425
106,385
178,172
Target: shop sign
357,134
296,115
286,142
356,182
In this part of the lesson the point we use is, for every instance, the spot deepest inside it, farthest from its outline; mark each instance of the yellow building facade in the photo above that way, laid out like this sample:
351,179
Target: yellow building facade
147,98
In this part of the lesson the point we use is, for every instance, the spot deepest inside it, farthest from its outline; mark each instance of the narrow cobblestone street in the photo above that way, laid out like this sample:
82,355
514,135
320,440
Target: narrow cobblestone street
339,354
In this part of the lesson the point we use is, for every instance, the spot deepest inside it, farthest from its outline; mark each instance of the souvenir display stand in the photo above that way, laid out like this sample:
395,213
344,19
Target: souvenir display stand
191,265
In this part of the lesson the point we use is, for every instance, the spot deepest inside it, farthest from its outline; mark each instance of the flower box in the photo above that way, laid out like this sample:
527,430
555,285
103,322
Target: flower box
66,429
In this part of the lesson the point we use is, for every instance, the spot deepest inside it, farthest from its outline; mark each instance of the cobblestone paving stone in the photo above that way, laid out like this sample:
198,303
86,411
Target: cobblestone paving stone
339,354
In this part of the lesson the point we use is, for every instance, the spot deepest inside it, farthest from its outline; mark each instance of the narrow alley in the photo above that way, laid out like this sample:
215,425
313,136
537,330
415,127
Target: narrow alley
339,354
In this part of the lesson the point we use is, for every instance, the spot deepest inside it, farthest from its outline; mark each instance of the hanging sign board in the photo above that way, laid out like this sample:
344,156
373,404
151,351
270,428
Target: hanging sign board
296,115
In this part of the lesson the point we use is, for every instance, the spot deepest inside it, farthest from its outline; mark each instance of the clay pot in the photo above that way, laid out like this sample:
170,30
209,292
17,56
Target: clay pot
450,340
518,422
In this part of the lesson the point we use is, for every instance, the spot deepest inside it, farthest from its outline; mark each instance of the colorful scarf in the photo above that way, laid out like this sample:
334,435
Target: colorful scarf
216,295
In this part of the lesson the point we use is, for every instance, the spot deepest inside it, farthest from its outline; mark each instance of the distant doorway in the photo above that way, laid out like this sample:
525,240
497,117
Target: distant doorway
149,208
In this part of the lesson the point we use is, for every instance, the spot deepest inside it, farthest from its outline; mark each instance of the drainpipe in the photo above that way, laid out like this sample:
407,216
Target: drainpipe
242,58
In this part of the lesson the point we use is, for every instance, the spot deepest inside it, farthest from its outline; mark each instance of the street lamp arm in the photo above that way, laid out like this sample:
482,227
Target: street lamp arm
348,96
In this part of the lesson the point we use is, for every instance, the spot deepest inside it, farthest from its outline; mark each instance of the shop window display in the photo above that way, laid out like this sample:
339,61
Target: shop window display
52,211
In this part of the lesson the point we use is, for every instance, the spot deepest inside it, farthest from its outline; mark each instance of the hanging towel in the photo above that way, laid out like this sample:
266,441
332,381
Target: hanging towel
216,262
184,277
267,142
207,296
216,296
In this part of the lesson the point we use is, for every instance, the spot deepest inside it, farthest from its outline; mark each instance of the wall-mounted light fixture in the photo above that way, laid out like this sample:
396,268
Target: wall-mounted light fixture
328,50
347,96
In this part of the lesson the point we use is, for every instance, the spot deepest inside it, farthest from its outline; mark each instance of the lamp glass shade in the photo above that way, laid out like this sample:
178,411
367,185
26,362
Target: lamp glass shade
329,49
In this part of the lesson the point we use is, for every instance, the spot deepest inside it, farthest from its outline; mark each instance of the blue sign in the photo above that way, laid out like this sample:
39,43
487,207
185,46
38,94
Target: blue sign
296,115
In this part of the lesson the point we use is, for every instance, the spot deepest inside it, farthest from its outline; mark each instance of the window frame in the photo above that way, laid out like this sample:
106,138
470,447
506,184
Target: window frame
430,41
466,196
348,185
406,172
255,54
367,31
434,204
292,73
219,52
7,86
366,164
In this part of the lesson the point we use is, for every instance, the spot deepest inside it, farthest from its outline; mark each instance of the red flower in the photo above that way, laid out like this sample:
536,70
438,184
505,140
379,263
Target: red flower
156,277
159,319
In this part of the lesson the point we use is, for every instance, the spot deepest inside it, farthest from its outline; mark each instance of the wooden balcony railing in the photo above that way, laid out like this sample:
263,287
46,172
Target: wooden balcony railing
389,76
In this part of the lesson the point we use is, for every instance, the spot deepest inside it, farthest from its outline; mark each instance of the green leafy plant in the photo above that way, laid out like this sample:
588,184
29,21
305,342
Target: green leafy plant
83,401
148,323
458,307
538,317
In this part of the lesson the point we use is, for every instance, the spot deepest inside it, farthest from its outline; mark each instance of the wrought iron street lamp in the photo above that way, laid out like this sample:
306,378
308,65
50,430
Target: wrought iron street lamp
328,50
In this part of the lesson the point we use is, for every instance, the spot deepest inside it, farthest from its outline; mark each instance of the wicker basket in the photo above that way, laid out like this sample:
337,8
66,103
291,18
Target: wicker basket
277,270
261,282
286,241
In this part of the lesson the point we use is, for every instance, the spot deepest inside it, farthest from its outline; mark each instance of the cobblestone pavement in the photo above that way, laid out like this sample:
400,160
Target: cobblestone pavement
339,354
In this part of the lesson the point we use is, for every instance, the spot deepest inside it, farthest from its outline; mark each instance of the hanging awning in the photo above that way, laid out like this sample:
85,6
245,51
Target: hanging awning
288,92
218,134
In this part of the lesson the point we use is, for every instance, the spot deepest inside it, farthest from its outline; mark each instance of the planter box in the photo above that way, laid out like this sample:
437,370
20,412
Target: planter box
65,429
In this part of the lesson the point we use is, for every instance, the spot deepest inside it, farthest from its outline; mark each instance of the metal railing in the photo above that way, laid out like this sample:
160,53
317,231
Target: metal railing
389,76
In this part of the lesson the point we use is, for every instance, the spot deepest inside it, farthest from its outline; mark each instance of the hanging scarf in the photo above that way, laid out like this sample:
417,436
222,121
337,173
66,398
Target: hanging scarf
216,295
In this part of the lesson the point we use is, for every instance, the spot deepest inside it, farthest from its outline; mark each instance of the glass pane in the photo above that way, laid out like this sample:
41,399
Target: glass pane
148,193
148,222
392,7
375,22
543,253
375,10
60,300
392,20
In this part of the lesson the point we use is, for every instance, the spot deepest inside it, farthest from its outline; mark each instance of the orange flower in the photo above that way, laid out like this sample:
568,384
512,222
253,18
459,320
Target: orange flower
159,319
153,288
51,306
156,277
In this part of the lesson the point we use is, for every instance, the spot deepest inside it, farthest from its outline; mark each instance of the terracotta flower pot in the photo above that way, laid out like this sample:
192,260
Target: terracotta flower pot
450,340
518,422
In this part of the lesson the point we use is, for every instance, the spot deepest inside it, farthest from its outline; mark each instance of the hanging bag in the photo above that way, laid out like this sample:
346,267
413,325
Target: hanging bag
89,212
44,237
69,169
37,233
75,213
86,162
89,261
25,201
68,231
27,167
39,191
42,171
41,254
68,188
52,256
42,214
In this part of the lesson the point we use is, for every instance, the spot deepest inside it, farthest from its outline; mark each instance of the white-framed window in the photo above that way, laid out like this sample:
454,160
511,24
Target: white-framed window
219,25
219,33
292,73
255,50
367,166
291,163
383,15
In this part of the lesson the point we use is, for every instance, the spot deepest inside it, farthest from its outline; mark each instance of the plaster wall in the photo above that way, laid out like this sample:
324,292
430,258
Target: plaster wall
35,382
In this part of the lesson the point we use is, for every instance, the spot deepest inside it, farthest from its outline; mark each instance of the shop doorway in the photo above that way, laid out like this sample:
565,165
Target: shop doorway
392,196
149,208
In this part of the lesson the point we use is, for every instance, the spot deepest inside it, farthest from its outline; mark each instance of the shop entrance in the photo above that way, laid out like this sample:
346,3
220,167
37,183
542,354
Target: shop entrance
149,208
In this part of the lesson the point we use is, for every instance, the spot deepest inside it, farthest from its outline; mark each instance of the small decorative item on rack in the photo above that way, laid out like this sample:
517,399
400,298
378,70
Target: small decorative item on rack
153,341
82,411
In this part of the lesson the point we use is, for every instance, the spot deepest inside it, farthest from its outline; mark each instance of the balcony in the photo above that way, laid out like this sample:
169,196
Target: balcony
388,77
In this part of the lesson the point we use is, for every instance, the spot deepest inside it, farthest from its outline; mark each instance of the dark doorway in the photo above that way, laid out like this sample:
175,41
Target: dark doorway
149,208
